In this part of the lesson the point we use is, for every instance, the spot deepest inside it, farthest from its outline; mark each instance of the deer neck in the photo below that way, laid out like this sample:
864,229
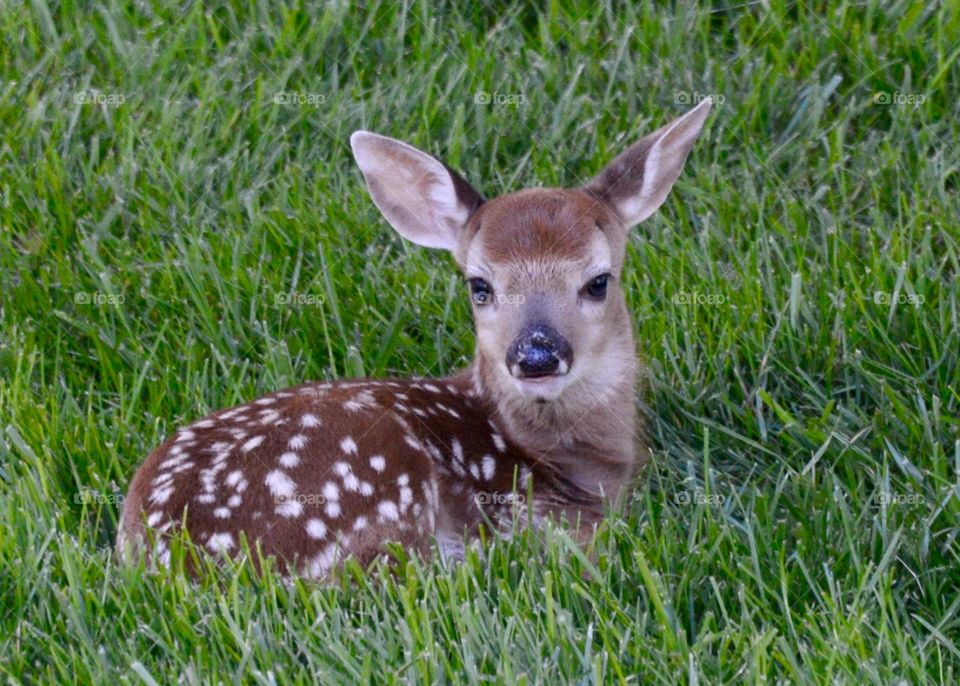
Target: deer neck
589,434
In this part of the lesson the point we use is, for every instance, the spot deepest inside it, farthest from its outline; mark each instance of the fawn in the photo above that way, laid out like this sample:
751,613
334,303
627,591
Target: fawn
313,474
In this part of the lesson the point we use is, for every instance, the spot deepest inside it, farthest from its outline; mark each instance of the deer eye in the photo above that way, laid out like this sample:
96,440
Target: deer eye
480,291
597,287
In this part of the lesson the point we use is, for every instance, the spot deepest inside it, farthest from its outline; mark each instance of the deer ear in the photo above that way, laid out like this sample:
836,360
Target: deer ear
637,182
423,199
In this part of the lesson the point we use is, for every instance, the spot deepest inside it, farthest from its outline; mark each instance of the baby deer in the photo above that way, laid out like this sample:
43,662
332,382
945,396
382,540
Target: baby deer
542,425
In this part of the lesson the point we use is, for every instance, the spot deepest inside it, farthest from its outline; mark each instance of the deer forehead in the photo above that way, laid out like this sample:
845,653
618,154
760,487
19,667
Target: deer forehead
543,235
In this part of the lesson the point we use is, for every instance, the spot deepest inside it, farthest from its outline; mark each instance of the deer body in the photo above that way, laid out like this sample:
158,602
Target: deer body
321,471
541,426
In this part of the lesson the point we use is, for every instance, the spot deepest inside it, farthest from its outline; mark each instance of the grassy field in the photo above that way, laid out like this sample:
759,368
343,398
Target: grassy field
182,228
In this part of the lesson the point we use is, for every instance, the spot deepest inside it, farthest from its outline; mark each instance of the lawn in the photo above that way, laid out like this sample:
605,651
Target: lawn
182,228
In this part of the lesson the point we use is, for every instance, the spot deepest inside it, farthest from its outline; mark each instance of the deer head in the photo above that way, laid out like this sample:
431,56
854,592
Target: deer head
544,265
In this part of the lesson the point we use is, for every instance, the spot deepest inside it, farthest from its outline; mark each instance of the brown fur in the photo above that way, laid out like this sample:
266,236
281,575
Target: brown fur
444,464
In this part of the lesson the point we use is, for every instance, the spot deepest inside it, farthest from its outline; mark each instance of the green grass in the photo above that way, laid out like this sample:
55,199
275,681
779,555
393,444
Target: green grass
799,520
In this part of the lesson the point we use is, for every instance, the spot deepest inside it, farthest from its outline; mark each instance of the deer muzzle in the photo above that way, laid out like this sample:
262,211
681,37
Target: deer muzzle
539,351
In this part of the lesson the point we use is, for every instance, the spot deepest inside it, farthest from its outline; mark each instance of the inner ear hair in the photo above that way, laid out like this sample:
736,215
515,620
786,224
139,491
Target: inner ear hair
422,198
638,180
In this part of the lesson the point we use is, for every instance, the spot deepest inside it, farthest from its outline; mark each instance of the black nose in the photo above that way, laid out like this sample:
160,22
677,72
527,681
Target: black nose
539,351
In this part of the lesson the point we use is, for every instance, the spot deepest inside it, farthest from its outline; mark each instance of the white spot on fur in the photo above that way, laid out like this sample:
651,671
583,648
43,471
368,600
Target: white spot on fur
413,442
233,478
325,560
251,444
498,441
289,460
280,485
360,524
378,463
316,528
452,548
154,518
234,501
332,509
208,475
161,495
406,497
269,417
204,424
162,479
297,442
172,462
348,445
489,467
449,410
388,510
309,421
289,508
222,512
524,477
160,548
330,491
220,542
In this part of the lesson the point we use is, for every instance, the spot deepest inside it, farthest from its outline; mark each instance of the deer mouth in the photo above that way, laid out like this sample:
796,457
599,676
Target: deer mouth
544,386
538,375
